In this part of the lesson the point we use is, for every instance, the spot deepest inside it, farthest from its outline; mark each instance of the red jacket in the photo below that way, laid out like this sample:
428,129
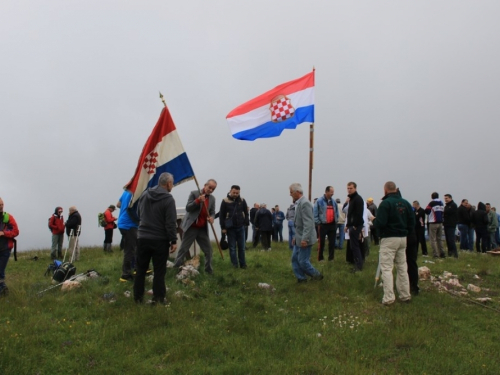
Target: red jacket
57,224
9,228
110,219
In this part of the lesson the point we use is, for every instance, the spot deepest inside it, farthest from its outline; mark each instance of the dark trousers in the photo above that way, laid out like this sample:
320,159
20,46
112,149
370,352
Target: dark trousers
108,235
325,230
482,240
355,242
129,237
411,261
265,236
256,237
158,251
348,252
278,232
449,234
374,236
420,233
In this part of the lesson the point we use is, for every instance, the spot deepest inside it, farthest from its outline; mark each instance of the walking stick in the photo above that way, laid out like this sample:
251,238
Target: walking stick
69,241
71,278
76,244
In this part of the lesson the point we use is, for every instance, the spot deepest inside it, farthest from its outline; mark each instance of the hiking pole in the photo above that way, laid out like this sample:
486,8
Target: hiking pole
76,244
70,279
69,241
377,274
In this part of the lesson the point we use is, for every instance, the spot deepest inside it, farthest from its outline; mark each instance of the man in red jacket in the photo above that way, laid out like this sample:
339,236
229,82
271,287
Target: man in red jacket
108,229
56,225
8,231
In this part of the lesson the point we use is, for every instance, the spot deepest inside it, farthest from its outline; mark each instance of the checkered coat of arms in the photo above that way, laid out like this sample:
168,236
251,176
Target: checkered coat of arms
281,108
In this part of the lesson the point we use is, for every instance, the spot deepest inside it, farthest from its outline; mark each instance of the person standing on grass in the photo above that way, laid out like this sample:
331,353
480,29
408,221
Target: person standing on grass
109,228
290,216
435,210
278,218
305,236
233,216
127,225
340,225
264,224
464,226
492,226
56,225
73,230
450,220
157,234
8,232
354,224
395,219
326,215
479,218
200,211
420,227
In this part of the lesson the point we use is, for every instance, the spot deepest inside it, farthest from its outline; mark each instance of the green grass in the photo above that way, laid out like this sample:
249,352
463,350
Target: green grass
227,325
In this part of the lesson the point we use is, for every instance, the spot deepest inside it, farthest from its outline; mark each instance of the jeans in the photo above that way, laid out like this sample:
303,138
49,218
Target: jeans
278,232
465,241
291,233
4,259
158,250
341,227
301,263
493,243
472,233
449,233
236,237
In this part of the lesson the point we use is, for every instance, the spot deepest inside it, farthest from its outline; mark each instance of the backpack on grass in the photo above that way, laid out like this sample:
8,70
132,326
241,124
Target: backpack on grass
64,272
101,219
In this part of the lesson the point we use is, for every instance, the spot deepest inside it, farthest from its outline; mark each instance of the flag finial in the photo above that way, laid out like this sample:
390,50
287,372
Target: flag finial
162,99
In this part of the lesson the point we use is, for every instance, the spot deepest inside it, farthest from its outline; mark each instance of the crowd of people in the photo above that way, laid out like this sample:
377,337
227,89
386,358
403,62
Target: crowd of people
398,227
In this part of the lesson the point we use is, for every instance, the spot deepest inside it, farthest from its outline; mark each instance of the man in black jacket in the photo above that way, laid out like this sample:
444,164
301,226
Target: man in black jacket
464,226
157,233
73,230
354,224
420,227
450,224
233,216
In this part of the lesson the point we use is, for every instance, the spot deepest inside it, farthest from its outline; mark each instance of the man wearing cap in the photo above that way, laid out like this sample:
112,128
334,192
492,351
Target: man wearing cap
372,207
200,211
8,231
108,229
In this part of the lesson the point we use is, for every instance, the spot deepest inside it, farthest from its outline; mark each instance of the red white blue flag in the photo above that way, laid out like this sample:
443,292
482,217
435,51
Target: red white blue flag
284,107
163,152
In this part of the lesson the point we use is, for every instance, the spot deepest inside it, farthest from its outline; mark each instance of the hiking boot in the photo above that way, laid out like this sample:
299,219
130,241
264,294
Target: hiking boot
126,278
302,280
317,277
4,291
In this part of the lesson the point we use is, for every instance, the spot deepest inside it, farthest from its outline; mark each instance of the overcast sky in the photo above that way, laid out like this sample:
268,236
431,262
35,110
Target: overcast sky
405,91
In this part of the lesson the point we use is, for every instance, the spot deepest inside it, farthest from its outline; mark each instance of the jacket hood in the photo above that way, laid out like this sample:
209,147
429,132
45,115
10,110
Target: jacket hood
157,193
57,209
481,206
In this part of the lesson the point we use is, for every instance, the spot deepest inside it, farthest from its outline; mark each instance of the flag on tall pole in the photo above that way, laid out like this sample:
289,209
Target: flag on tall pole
163,152
284,107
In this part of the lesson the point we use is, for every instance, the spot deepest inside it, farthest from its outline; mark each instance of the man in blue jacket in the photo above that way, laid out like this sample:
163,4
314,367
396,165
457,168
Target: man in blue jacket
325,217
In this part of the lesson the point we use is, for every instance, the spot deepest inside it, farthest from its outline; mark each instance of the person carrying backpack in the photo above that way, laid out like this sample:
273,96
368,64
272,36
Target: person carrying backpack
108,229
8,232
56,225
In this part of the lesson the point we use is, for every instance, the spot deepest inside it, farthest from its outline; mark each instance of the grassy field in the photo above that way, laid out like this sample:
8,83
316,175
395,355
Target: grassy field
226,324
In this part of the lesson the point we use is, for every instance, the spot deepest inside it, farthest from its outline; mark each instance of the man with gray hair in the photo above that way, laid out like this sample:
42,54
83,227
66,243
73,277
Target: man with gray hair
200,211
395,219
305,236
157,233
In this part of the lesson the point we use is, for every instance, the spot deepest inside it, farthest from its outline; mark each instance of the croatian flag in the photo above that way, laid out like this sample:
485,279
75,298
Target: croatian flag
284,107
163,152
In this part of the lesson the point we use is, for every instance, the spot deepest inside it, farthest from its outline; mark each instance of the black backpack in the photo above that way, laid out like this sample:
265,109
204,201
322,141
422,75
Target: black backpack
64,272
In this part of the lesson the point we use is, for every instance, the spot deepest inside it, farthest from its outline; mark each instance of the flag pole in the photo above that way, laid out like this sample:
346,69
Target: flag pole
311,157
199,191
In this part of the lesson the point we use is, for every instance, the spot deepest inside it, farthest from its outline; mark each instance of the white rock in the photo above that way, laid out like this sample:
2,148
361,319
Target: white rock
69,285
476,277
473,288
264,286
424,273
484,299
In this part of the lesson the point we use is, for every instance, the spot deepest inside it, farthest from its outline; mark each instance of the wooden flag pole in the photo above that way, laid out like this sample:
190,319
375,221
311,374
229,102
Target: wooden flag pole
311,157
199,190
